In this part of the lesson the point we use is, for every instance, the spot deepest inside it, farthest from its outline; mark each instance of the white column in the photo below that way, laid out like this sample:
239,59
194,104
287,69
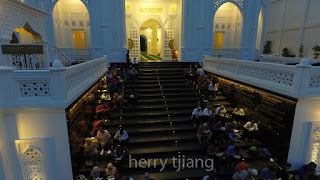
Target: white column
303,28
282,26
36,124
249,30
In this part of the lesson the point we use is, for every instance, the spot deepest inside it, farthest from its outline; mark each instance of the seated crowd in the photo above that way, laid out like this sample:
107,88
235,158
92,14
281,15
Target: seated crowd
220,131
91,142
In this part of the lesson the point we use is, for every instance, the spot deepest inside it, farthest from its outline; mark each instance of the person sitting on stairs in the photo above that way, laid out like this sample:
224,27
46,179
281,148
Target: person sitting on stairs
204,133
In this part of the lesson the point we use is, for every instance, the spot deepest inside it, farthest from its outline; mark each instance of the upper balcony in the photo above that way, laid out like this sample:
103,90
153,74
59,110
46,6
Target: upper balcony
36,76
296,81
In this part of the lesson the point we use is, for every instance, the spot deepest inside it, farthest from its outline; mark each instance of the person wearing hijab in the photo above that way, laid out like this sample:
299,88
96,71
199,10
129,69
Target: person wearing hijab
146,176
95,173
112,171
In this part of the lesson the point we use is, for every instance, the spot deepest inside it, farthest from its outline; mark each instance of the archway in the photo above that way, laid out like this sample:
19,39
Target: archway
152,30
259,30
26,35
71,24
227,27
143,44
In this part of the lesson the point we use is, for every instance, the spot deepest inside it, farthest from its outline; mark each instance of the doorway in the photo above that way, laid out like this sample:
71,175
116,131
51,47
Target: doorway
143,44
78,38
151,40
218,43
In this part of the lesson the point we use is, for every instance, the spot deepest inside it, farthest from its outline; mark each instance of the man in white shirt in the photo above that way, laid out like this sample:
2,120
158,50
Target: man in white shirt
109,75
207,112
238,114
103,137
250,130
196,115
121,137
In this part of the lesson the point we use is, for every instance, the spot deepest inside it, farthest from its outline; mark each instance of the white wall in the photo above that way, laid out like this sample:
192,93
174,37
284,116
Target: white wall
285,26
36,123
69,15
307,112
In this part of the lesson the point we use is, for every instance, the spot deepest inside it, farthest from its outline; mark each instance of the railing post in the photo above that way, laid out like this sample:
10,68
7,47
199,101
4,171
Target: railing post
301,78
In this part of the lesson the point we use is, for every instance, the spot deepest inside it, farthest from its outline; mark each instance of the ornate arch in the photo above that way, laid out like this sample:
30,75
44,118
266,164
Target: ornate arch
239,3
154,19
15,17
54,2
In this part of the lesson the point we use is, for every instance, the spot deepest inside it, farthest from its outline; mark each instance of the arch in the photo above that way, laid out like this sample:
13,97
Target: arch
152,19
227,26
71,31
222,2
54,3
26,29
153,30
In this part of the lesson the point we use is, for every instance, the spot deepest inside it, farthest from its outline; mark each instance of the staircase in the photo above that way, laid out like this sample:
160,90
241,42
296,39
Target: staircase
159,125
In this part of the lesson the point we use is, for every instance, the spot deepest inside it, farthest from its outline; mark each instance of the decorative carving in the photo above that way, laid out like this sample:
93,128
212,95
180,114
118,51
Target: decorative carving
171,44
283,78
130,44
151,10
314,81
34,88
133,34
238,2
12,17
168,36
31,158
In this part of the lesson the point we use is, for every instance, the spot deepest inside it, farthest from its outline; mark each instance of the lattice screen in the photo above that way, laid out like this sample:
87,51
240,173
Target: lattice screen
133,34
168,35
315,156
32,160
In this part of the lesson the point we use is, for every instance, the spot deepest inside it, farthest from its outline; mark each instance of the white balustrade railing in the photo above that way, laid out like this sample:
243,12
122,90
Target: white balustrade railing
33,60
302,80
227,53
53,87
77,55
285,60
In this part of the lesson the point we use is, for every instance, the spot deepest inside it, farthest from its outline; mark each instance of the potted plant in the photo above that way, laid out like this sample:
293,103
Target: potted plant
285,52
301,49
316,51
267,48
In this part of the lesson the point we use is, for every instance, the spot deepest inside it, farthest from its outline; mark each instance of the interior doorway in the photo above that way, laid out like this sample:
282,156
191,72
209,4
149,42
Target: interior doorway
143,44
78,39
218,43
151,32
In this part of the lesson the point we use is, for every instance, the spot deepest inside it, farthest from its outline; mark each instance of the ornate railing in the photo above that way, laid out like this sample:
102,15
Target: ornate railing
79,55
285,60
57,86
302,80
32,56
227,53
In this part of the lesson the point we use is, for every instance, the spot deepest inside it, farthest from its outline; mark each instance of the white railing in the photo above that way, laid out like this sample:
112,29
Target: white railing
54,87
78,55
227,53
302,80
285,60
34,60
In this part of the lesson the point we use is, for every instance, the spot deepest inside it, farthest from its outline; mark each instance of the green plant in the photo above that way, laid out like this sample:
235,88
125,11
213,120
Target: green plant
267,48
285,52
316,51
301,49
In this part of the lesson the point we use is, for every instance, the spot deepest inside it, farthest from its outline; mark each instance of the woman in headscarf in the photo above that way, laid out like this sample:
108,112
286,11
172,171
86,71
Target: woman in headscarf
146,176
112,171
95,173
